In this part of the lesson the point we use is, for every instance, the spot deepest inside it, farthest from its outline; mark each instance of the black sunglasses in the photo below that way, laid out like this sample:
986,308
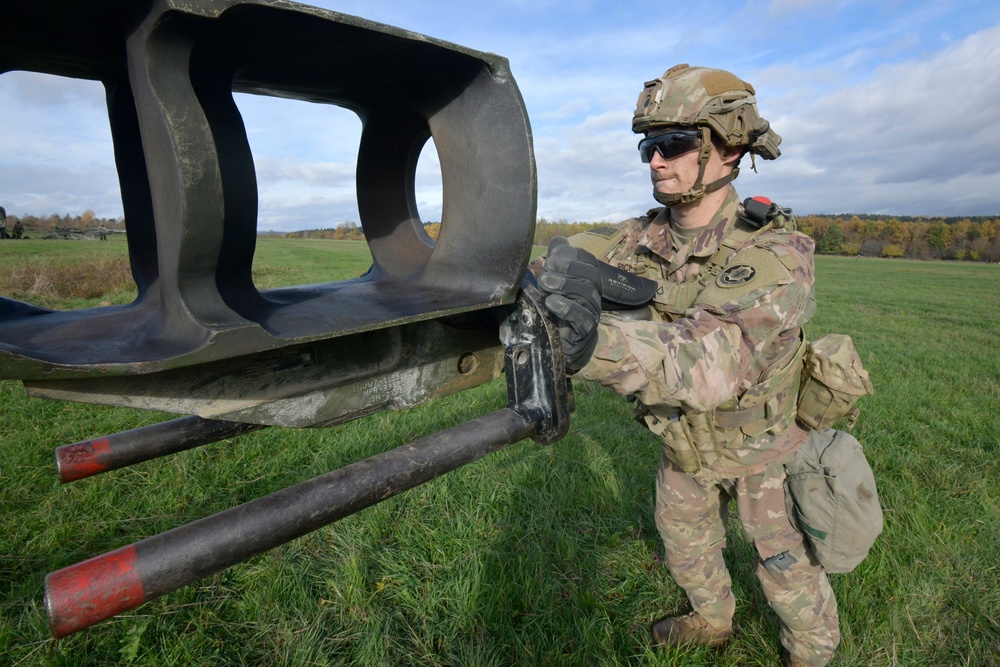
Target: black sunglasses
669,144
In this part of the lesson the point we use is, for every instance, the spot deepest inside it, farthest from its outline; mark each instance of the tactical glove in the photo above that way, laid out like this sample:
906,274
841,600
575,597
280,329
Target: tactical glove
618,289
570,280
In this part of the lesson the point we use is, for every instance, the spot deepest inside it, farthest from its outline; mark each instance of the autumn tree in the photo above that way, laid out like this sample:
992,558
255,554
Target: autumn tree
832,242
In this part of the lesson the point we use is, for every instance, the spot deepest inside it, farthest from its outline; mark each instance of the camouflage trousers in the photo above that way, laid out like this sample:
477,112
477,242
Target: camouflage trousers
692,514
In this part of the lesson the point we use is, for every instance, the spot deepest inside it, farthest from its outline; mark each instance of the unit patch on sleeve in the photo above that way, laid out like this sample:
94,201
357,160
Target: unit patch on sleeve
737,275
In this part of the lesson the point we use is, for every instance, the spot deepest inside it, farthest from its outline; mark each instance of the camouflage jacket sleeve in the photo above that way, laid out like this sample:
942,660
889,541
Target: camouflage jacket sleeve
745,323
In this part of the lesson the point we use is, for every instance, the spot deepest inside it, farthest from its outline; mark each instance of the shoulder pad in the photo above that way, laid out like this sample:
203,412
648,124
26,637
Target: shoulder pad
791,247
597,243
749,273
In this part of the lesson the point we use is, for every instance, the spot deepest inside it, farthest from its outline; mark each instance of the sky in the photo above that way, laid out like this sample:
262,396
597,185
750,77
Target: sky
884,106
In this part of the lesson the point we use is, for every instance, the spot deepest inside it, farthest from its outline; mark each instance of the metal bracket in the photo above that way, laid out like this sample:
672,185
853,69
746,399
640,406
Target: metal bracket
538,407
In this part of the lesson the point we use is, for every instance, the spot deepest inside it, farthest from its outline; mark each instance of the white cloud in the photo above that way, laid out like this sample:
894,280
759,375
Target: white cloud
36,89
331,174
907,139
883,106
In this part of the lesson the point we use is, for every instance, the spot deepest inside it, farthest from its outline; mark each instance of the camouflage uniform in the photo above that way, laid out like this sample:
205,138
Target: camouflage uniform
715,374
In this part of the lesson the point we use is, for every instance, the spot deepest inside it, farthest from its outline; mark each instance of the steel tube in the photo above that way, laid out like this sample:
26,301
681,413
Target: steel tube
89,592
92,457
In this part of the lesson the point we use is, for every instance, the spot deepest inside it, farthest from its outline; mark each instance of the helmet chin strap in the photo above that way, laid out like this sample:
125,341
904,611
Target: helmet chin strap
698,190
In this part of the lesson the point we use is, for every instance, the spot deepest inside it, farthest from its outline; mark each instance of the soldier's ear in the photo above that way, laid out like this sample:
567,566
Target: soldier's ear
731,154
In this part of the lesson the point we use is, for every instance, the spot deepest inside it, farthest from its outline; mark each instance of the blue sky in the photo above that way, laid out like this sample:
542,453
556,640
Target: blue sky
884,106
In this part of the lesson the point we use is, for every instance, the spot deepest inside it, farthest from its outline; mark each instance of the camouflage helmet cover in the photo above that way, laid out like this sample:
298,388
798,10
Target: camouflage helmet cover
705,97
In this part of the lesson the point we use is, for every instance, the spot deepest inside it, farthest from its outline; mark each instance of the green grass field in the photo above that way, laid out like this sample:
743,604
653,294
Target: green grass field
534,555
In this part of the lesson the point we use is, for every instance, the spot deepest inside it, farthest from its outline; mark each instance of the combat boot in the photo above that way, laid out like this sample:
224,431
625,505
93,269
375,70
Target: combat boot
689,629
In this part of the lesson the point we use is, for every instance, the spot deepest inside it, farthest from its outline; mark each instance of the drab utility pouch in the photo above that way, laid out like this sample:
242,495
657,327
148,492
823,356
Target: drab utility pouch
833,381
675,433
690,440
830,496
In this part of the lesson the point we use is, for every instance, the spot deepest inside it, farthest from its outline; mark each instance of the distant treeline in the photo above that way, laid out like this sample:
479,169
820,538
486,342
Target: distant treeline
963,239
51,222
973,239
350,231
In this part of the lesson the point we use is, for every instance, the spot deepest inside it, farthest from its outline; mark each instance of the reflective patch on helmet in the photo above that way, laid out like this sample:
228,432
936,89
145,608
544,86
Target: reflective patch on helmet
737,275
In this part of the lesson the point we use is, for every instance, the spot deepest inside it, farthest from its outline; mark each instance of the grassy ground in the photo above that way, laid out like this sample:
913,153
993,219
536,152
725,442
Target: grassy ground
66,274
50,273
534,555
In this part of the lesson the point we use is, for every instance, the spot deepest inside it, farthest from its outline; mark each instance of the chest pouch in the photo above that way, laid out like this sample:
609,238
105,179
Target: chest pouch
833,381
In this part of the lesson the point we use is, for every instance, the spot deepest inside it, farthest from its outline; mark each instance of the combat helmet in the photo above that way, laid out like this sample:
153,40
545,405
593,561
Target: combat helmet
713,101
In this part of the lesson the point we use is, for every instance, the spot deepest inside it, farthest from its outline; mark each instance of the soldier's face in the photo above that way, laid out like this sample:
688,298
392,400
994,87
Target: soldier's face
680,173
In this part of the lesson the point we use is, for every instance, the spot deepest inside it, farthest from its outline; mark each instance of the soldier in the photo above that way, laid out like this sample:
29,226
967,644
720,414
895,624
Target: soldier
713,363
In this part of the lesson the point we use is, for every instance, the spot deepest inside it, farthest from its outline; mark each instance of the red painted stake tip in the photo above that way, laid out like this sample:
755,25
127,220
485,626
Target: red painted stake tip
82,459
81,595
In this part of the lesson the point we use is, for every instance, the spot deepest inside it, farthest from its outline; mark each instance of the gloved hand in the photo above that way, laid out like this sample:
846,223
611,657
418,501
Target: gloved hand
571,279
619,289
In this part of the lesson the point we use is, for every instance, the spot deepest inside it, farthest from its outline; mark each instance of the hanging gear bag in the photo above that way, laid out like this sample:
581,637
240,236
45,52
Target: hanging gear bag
831,498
